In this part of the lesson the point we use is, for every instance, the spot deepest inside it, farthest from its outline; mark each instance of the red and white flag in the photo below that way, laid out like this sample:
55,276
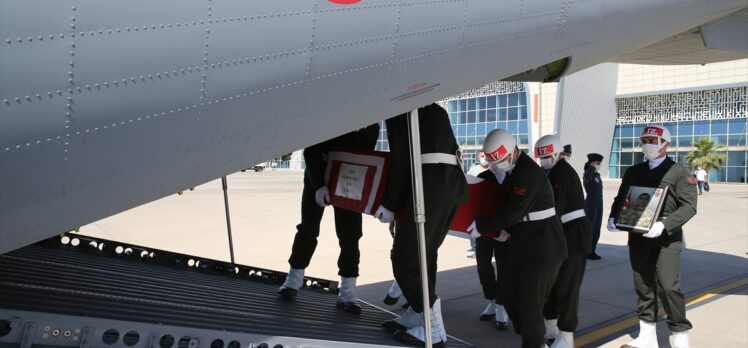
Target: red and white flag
357,179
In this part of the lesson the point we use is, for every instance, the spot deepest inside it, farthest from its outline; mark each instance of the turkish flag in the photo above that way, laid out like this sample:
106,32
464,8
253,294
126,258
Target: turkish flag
357,179
486,197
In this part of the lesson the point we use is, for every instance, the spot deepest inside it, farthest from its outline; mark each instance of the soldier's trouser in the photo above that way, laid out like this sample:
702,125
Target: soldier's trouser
563,302
657,269
527,288
347,228
487,249
404,254
594,213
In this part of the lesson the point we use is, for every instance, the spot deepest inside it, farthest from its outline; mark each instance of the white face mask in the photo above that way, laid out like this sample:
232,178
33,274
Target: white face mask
596,166
651,151
502,167
547,163
482,161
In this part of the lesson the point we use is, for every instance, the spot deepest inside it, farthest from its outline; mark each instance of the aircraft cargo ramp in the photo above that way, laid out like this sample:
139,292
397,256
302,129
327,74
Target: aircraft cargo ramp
107,294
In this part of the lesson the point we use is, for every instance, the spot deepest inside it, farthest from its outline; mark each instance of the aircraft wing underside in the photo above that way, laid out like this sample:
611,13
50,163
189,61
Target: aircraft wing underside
721,40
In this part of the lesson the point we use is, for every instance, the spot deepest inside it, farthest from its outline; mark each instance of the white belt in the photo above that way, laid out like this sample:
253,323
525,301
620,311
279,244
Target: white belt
539,215
437,157
573,215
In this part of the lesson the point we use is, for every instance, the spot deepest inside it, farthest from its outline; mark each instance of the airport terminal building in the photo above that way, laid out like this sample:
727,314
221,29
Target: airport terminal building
604,108
718,113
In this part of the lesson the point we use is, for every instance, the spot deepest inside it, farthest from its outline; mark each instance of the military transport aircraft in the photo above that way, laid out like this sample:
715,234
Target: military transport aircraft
107,105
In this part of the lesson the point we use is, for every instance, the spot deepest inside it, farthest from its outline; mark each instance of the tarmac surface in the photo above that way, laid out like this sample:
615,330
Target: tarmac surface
265,208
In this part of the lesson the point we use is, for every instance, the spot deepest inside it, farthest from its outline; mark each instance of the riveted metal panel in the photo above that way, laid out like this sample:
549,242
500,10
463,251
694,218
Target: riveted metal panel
420,16
254,76
585,13
30,182
258,9
103,58
133,165
33,68
336,28
330,6
131,103
533,22
345,58
529,8
92,15
427,43
245,126
482,11
31,122
487,32
429,51
345,101
33,18
255,38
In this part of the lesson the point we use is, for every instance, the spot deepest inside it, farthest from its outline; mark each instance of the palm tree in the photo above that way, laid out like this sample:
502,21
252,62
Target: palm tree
703,155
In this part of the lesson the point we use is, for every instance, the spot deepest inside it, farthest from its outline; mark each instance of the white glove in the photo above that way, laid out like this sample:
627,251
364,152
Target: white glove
656,230
473,230
503,236
384,215
612,225
322,196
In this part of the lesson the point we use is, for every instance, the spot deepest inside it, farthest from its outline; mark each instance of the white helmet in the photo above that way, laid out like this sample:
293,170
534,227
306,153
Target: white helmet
548,148
548,145
498,145
652,151
656,131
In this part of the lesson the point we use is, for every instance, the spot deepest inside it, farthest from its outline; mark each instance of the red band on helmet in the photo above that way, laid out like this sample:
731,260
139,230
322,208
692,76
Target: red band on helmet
498,154
544,150
652,131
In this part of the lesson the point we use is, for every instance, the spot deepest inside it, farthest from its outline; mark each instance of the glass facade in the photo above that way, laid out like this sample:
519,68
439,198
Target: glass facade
475,113
718,114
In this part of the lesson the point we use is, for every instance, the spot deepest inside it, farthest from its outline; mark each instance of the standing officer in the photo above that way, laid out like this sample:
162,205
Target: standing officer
593,203
567,151
347,223
444,189
537,245
655,255
563,303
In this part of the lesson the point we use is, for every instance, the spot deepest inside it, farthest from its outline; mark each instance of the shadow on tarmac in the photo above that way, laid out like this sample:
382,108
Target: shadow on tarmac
607,304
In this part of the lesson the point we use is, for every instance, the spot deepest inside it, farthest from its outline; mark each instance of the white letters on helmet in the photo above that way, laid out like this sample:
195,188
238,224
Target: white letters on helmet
498,145
548,145
652,151
656,131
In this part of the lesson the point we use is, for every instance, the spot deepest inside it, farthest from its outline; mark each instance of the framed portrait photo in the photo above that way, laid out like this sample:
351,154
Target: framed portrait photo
641,208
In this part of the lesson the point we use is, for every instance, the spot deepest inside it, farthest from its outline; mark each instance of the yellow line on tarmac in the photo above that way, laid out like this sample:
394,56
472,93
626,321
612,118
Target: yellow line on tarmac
634,320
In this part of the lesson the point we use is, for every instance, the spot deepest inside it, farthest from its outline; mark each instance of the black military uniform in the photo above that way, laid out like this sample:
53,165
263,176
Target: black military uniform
347,223
656,261
486,249
444,189
593,203
536,247
563,301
